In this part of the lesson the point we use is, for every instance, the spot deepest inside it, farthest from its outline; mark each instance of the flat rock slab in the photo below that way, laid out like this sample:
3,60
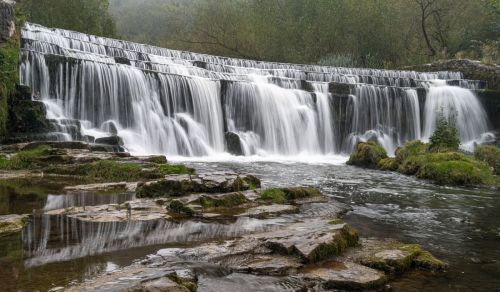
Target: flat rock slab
346,275
181,185
268,211
130,187
137,210
313,240
13,223
262,264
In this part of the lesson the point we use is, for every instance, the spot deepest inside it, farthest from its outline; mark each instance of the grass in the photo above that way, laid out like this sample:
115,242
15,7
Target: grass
174,169
489,154
25,159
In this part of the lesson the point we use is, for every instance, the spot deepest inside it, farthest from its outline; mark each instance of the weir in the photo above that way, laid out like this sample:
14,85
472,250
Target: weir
162,101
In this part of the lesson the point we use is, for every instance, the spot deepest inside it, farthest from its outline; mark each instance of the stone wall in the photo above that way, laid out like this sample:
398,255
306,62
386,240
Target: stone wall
7,19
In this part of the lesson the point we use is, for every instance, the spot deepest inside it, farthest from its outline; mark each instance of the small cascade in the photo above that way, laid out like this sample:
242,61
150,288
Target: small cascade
162,101
471,119
49,239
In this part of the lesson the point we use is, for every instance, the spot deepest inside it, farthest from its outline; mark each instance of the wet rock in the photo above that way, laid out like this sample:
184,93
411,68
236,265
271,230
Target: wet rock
162,284
180,185
107,148
137,210
10,224
179,208
268,211
158,159
224,200
312,241
262,264
346,275
112,140
57,145
103,187
426,261
233,143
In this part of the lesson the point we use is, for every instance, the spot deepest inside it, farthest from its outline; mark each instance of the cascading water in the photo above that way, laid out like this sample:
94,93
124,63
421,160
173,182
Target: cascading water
163,101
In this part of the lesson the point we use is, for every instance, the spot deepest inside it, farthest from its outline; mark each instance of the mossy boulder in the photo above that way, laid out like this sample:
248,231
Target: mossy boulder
277,196
396,258
367,154
411,148
388,163
489,154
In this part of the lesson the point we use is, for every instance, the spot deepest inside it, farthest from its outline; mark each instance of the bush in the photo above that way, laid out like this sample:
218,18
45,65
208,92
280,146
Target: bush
445,137
367,154
489,154
388,164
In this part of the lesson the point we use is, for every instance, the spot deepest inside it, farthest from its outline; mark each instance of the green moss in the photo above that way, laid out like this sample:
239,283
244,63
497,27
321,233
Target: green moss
238,184
388,164
394,264
191,286
277,196
335,221
252,181
223,201
347,237
489,154
367,154
300,192
174,169
179,208
411,148
457,172
425,260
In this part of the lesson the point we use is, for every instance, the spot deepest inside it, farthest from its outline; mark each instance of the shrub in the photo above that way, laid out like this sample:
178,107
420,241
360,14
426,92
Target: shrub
489,154
367,154
445,137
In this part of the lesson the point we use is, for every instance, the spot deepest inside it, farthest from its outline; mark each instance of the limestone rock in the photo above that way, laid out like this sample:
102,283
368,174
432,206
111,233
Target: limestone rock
12,223
346,275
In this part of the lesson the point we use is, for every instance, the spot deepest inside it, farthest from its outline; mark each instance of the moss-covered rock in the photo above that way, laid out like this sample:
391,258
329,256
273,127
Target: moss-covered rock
425,260
411,148
277,196
367,154
228,200
389,163
10,224
179,208
396,259
190,285
489,154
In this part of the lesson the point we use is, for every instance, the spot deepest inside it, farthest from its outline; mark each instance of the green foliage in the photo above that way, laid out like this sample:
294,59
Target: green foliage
277,196
88,16
489,154
362,33
411,148
445,137
456,172
367,154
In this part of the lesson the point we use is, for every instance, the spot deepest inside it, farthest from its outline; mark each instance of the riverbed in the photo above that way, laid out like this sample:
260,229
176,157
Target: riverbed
458,225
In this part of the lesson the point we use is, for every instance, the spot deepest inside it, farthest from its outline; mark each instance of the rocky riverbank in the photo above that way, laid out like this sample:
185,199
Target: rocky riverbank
292,246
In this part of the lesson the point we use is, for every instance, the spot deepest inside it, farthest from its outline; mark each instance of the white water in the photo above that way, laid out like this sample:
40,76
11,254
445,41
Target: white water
181,104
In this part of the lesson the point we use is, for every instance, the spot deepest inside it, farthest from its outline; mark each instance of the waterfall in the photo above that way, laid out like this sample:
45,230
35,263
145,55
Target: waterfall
471,119
162,101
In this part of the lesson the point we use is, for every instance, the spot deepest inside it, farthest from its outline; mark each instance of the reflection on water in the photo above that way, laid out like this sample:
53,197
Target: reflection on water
459,225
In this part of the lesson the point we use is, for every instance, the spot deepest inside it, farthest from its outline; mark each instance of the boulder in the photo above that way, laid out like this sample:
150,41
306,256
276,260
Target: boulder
367,154
233,143
111,140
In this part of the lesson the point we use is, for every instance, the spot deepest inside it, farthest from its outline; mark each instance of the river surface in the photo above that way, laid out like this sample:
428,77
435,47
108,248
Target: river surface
458,225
